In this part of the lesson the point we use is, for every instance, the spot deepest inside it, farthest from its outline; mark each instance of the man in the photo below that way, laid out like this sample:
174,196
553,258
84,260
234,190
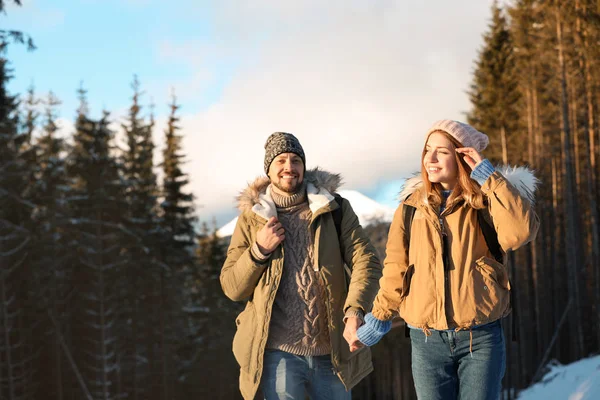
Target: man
287,261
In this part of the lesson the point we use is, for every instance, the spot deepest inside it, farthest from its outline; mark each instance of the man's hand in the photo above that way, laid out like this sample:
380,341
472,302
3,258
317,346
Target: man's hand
270,236
352,325
470,155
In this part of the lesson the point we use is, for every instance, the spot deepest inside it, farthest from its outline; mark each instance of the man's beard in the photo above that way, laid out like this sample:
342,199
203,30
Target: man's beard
291,191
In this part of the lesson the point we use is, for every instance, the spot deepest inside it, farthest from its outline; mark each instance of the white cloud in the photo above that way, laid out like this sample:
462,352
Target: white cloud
357,82
30,13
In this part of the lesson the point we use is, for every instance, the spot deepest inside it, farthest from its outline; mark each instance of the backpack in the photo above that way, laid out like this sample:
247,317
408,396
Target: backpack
491,239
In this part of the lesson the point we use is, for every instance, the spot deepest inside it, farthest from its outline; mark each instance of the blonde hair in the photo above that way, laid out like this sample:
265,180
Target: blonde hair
465,187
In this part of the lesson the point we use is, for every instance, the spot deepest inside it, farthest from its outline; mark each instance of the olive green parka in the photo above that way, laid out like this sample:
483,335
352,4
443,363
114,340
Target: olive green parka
244,279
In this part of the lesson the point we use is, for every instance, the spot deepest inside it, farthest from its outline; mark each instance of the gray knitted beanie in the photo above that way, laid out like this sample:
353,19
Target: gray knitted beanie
282,142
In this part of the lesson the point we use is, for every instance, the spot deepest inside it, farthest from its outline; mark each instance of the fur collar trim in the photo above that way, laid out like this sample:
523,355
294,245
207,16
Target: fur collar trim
319,188
522,178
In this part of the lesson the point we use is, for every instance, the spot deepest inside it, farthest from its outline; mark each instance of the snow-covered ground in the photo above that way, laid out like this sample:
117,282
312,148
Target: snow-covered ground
577,381
367,209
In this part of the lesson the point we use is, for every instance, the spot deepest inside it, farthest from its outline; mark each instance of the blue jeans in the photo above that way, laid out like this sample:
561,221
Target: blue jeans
444,368
287,376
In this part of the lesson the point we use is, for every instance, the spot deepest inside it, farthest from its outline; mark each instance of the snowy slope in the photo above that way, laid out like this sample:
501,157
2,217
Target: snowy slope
227,229
367,209
577,381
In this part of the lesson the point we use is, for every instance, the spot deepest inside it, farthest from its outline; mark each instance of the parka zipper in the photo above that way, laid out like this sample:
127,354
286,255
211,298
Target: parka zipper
446,262
445,249
334,362
272,285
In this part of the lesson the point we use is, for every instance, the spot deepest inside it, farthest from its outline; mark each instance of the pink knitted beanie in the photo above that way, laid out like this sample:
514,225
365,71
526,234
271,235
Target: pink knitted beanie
464,133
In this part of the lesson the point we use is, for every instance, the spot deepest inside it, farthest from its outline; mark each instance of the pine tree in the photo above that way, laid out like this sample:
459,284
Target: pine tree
211,253
16,368
180,274
50,259
98,231
494,92
141,252
214,339
177,205
13,35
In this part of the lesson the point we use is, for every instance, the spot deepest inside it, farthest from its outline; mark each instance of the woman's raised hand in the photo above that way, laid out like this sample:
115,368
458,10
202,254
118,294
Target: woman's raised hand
470,155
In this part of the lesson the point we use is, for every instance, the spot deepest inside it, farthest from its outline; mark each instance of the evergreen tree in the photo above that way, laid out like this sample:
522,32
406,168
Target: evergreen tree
177,205
180,273
141,251
214,341
211,253
97,232
494,92
12,35
51,261
16,368
31,115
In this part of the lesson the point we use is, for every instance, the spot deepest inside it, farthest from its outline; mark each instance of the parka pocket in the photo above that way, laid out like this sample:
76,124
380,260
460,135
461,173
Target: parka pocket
490,288
494,270
243,340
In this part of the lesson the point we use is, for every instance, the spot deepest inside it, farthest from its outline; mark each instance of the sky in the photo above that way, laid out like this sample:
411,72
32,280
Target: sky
358,82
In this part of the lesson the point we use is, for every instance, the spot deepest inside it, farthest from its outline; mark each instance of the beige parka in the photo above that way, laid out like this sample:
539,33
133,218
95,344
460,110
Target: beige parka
475,289
243,279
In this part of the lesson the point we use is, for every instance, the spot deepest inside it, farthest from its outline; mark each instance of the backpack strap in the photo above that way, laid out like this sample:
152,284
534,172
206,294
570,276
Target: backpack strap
408,213
337,215
490,235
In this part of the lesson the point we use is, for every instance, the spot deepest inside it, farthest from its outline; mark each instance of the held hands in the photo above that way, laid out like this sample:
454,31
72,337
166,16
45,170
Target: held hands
270,236
470,155
352,325
373,330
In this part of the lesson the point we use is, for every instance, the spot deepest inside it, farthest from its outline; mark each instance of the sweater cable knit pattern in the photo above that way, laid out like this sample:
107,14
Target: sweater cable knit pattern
299,317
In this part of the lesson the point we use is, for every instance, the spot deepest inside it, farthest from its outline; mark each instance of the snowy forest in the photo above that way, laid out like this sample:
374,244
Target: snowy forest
109,286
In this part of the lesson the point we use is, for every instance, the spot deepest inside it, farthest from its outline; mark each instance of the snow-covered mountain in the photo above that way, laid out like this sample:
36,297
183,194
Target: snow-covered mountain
367,210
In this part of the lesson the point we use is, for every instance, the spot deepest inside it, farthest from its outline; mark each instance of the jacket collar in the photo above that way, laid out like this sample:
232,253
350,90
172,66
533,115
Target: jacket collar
319,188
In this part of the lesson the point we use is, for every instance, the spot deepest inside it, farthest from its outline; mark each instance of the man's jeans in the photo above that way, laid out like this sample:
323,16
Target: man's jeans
287,376
444,368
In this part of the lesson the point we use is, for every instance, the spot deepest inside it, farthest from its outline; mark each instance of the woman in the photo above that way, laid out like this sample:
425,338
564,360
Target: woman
441,277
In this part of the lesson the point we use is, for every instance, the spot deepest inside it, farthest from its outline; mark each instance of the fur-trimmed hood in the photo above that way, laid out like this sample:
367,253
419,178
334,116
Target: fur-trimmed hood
320,185
522,178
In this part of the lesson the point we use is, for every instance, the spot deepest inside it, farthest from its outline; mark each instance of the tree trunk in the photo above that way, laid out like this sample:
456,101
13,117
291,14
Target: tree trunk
571,209
163,337
504,146
537,127
555,240
572,100
530,139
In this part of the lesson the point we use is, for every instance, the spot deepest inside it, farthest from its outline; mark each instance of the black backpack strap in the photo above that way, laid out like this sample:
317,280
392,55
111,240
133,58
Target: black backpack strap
337,215
490,235
408,213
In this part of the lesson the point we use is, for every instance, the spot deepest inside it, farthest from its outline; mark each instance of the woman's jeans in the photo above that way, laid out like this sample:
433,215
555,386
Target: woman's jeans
287,376
444,368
